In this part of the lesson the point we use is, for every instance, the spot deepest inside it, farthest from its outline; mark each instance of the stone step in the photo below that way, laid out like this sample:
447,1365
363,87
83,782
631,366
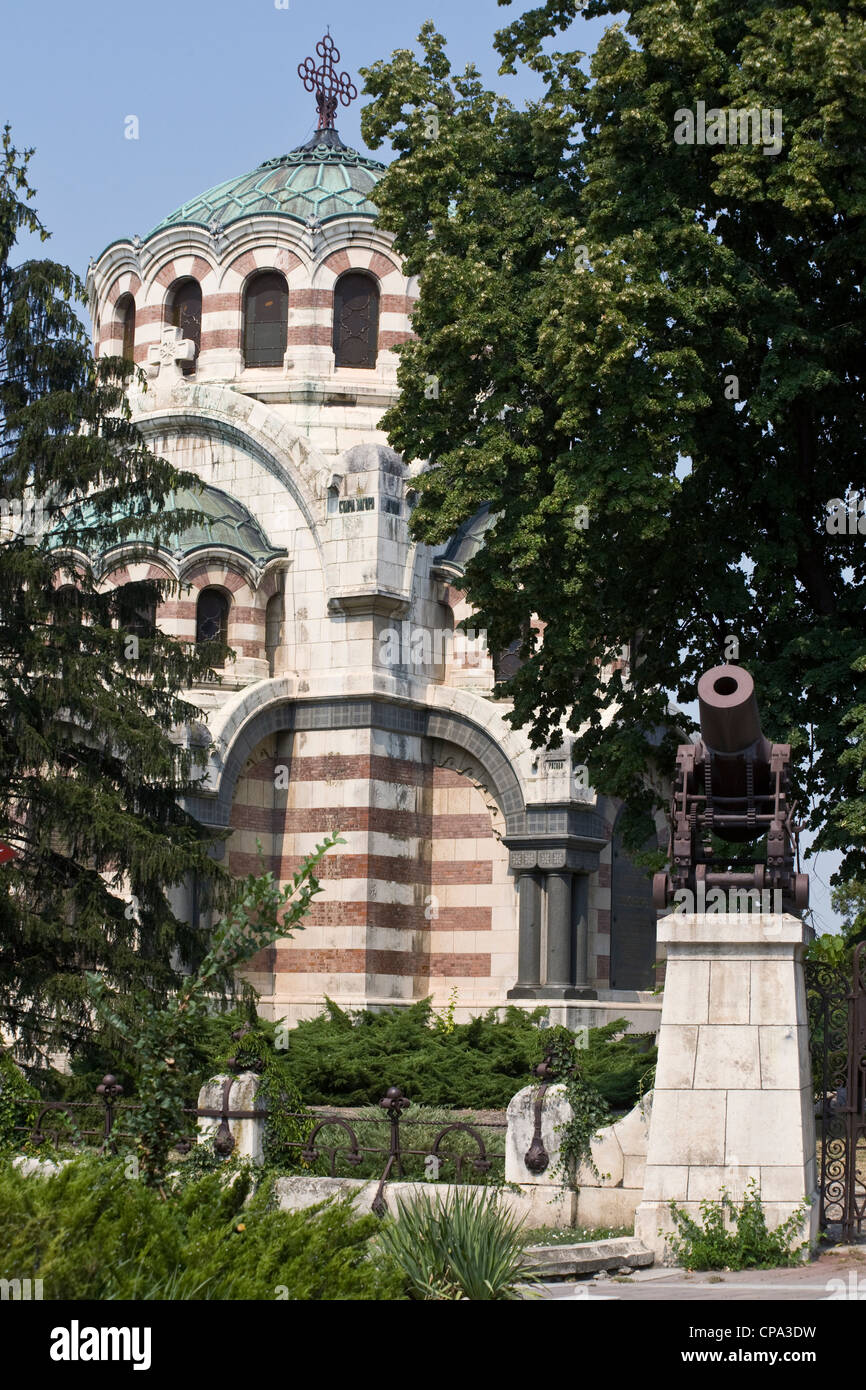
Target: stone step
590,1256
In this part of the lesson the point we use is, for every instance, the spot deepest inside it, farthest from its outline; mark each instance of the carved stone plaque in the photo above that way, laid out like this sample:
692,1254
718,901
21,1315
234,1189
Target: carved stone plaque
523,859
551,859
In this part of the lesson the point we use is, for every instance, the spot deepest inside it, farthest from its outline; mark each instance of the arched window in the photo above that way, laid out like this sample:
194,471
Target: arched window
266,320
356,321
212,617
184,312
68,604
136,611
508,662
125,310
273,627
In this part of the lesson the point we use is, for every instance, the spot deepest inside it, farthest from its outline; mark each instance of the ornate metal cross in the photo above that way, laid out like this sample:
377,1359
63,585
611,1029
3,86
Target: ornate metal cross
328,85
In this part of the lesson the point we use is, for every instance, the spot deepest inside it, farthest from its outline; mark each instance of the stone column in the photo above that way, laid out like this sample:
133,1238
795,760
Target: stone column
580,908
529,940
558,884
733,1093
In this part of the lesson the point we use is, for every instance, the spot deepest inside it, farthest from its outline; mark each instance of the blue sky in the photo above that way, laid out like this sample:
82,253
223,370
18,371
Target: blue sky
214,86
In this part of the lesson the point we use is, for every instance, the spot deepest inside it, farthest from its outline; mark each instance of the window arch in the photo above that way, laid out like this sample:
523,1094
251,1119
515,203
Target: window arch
125,310
356,320
184,312
68,604
266,320
136,610
212,617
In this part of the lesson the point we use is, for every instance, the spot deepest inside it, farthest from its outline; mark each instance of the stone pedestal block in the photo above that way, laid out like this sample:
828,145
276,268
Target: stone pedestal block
520,1137
733,1091
247,1134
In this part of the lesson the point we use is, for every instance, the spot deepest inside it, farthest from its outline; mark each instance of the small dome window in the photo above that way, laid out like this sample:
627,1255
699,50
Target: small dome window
125,310
136,611
356,321
184,312
266,320
212,617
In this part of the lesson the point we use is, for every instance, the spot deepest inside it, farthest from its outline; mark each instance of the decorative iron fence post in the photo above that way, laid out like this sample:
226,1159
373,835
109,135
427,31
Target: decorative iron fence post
536,1157
109,1090
394,1102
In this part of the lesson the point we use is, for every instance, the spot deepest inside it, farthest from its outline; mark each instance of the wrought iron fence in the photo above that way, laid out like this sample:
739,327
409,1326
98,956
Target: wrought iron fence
837,1032
331,1144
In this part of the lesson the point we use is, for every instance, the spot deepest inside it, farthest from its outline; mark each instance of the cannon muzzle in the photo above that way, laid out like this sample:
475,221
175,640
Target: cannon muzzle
733,786
730,722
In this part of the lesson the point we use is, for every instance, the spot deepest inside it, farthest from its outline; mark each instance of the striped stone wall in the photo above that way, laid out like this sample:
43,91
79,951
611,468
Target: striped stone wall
417,901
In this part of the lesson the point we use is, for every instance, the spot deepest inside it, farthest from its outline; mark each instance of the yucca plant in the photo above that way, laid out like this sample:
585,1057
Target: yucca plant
465,1247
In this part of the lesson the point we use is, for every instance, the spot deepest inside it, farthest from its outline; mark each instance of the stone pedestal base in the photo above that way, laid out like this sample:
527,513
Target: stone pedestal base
733,1093
556,992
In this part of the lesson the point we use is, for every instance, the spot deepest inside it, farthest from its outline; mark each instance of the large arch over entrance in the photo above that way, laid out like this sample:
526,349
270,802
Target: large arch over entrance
286,715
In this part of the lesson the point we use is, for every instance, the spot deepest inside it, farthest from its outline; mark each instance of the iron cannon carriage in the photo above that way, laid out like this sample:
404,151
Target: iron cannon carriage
733,784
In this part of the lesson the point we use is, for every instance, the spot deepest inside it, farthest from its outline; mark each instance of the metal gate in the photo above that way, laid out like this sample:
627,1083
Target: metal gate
836,997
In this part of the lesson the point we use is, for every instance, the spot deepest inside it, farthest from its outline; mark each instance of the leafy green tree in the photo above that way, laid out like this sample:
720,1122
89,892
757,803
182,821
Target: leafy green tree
648,357
164,1038
91,768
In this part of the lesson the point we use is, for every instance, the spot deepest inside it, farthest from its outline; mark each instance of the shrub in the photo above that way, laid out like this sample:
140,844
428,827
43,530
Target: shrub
18,1106
351,1058
89,1232
465,1248
748,1245
617,1064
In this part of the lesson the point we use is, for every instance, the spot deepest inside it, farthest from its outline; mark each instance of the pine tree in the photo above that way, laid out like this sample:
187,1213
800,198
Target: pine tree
92,770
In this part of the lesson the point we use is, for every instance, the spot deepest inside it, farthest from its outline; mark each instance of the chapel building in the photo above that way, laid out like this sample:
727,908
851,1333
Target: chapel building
265,314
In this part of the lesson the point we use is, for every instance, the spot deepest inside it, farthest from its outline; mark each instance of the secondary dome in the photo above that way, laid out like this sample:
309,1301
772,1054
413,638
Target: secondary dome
322,179
223,521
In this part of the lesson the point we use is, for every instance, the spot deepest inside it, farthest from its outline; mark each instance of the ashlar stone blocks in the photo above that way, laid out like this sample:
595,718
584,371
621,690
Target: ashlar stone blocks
733,1093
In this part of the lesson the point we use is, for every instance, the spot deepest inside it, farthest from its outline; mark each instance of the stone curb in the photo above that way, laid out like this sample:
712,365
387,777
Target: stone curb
590,1256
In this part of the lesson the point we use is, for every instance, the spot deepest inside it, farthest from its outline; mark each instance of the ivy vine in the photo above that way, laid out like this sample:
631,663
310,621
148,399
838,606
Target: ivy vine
288,1121
590,1111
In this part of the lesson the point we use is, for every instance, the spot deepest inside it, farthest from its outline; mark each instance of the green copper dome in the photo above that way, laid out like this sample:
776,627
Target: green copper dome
224,522
322,179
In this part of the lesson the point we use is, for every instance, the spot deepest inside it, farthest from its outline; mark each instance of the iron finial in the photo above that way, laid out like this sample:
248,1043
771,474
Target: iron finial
329,85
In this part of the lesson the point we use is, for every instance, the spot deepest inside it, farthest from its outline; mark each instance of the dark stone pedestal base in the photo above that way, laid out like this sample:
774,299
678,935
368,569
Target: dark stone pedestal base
551,992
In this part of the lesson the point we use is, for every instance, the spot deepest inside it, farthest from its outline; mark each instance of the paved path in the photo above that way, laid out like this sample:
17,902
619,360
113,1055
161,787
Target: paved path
838,1274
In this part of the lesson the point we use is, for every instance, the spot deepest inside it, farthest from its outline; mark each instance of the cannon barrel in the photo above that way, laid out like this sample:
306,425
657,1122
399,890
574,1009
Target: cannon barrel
730,722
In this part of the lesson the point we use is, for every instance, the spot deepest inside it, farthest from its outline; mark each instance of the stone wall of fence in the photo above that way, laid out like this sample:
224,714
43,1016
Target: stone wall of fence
537,1187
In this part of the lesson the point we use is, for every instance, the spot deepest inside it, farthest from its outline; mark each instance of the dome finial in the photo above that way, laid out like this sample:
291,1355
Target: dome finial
329,86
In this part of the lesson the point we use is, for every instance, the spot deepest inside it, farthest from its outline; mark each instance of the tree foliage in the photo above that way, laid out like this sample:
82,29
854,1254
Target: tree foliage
92,767
589,291
163,1037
